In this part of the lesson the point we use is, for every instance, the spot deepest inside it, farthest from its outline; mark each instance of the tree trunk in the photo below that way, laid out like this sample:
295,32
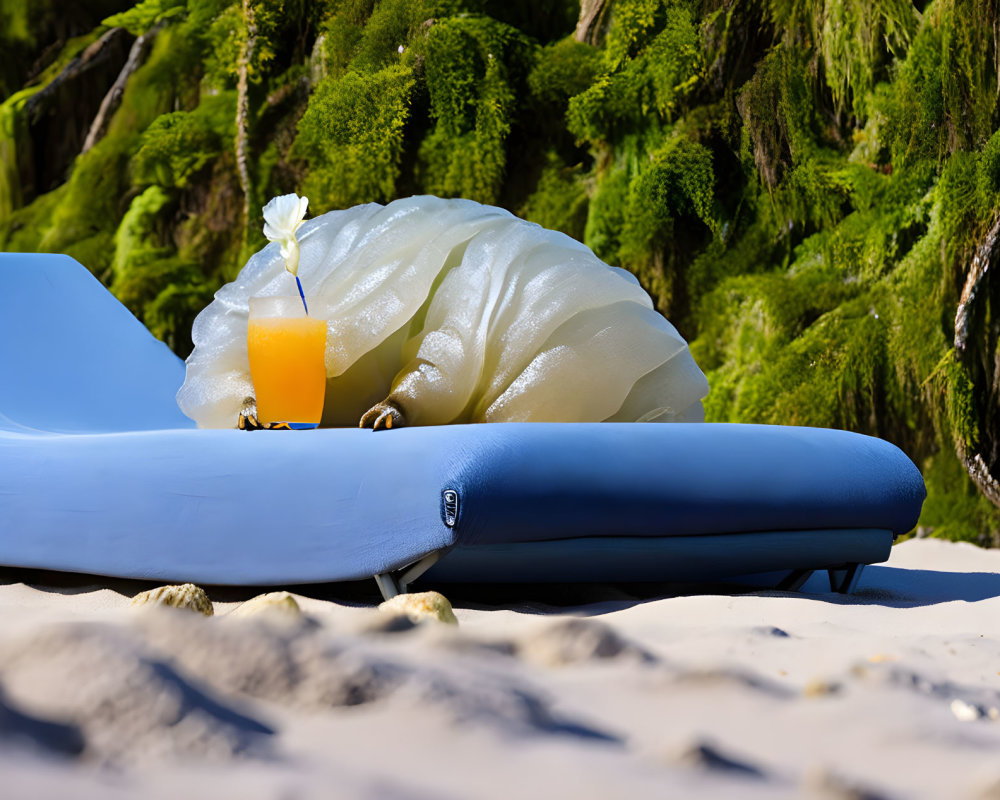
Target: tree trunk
976,334
977,272
242,107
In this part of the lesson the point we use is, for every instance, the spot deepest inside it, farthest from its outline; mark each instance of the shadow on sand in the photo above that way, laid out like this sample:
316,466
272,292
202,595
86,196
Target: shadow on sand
878,584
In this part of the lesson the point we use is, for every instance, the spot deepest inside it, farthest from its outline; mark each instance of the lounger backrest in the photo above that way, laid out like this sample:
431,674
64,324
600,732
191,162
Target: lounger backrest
74,359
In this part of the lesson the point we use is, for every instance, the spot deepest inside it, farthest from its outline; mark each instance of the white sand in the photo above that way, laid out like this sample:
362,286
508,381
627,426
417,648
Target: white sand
894,692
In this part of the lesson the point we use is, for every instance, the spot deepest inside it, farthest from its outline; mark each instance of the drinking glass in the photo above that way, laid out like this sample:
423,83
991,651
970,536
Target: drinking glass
287,349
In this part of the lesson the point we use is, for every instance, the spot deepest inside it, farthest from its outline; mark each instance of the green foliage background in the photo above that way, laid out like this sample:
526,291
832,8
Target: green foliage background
799,184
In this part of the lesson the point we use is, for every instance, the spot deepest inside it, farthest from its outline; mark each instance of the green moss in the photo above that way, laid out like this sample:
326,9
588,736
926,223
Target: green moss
224,41
670,200
636,22
17,156
168,81
69,51
135,243
38,38
960,403
944,98
749,253
470,82
988,175
785,344
22,231
341,35
560,200
678,181
15,149
606,215
163,290
970,38
653,60
918,339
779,115
227,37
391,25
145,14
92,251
176,146
857,42
832,374
170,315
352,136
562,70
89,211
959,201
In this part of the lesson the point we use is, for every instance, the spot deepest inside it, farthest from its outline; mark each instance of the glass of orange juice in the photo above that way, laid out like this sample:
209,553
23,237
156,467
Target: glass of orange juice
287,350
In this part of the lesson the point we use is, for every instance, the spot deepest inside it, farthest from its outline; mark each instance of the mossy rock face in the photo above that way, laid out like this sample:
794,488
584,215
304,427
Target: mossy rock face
474,68
33,35
560,201
17,163
352,137
61,114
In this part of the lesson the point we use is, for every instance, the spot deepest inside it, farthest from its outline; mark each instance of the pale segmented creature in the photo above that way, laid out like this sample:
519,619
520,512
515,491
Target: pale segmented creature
444,311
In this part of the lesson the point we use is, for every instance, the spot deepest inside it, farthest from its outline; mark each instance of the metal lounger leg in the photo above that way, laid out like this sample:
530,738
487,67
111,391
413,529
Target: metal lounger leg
387,585
844,581
794,580
392,583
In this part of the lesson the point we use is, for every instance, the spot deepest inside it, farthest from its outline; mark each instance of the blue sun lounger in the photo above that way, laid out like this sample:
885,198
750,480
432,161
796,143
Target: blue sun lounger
101,473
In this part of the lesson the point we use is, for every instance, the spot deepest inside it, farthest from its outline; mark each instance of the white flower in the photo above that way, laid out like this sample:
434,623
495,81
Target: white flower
282,217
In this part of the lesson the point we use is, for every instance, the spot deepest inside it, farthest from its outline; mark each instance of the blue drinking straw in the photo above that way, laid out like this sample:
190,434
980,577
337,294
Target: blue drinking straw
302,294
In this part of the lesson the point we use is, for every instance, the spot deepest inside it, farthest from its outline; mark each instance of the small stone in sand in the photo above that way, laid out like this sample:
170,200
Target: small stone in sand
186,595
966,712
881,658
817,687
273,605
421,606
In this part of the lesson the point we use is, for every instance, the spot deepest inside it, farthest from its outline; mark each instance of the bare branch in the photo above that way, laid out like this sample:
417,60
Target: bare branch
113,99
977,271
595,17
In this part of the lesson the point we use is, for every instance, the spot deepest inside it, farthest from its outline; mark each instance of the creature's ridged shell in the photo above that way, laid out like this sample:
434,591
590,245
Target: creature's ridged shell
185,595
465,313
421,606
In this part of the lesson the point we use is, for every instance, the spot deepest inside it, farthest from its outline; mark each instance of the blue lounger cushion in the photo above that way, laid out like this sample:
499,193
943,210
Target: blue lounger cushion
100,473
73,359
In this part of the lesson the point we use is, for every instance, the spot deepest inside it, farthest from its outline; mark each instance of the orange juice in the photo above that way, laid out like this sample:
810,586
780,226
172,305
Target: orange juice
287,366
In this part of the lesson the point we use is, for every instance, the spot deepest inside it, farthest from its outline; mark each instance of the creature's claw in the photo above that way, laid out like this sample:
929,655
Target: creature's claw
384,415
248,416
248,419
